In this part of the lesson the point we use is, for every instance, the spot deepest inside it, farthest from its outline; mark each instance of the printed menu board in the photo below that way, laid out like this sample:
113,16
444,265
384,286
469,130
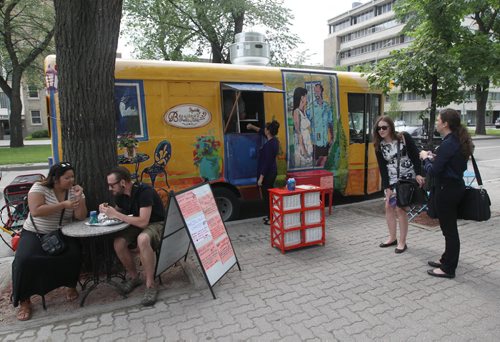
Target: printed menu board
207,230
175,240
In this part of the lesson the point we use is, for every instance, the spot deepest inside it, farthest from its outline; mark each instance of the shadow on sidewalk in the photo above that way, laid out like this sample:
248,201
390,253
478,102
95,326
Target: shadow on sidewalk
175,281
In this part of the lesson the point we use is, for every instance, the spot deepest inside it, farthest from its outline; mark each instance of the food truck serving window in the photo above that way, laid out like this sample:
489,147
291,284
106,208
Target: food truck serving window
243,103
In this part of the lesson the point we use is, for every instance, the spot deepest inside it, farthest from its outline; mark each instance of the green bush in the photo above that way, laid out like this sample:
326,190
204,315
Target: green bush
40,134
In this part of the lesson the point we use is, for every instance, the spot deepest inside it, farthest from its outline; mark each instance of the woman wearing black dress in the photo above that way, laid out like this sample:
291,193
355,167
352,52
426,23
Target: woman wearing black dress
53,200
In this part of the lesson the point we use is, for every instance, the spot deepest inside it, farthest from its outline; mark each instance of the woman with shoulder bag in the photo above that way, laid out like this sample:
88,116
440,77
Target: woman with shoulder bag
53,202
447,168
388,146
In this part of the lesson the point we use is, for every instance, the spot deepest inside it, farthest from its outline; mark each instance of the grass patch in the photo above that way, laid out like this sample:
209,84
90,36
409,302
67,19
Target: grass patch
25,155
493,131
489,131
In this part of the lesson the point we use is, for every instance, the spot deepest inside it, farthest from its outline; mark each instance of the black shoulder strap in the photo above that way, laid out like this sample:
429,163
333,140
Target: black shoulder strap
476,171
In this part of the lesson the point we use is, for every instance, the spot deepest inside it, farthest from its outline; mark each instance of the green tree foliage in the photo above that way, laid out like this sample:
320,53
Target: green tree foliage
428,65
479,51
184,29
27,28
394,106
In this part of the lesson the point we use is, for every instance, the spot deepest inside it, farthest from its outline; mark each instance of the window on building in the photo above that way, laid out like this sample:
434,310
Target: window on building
4,101
32,92
36,118
384,8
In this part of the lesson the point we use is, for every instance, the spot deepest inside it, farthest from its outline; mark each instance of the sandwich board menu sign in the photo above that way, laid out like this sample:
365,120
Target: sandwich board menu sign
175,240
196,211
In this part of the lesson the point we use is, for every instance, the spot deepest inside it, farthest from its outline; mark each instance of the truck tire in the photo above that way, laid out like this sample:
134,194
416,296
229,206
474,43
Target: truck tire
228,203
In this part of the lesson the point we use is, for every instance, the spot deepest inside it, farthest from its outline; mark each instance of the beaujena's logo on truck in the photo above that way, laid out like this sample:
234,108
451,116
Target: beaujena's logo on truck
187,116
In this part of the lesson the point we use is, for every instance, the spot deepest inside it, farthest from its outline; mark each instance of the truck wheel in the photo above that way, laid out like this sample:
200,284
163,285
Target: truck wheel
228,203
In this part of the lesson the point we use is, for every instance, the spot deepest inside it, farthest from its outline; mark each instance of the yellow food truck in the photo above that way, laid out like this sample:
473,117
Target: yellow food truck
190,121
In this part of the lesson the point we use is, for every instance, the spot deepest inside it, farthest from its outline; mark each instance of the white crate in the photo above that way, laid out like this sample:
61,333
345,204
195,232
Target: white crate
314,234
312,216
291,220
292,238
291,202
312,199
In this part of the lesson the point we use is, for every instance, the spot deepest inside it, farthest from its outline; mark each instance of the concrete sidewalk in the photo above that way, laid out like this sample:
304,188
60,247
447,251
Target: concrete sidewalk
6,142
348,290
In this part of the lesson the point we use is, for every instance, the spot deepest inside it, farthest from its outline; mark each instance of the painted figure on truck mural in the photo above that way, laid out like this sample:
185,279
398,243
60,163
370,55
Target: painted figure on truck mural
321,116
302,129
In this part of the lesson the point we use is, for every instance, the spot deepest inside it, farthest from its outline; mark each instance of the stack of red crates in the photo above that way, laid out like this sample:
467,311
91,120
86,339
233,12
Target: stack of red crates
297,217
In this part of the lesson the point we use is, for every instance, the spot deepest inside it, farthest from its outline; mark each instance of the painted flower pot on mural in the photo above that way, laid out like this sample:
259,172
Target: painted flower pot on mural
209,167
206,157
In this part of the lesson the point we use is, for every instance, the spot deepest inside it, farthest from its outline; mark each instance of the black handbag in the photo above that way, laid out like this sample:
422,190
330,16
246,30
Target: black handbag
52,243
408,191
475,204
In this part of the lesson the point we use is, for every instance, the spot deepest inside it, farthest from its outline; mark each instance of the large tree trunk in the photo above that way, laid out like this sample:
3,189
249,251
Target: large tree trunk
86,41
482,89
432,114
16,108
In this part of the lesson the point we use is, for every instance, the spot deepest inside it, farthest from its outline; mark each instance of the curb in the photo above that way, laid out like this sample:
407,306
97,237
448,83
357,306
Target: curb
23,167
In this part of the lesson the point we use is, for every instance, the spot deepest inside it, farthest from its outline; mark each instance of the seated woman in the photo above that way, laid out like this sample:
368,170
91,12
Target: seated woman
34,272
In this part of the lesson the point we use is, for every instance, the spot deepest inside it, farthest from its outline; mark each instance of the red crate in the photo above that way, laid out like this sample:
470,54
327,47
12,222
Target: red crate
297,218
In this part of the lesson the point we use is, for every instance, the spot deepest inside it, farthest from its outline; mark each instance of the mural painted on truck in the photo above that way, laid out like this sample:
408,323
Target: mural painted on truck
316,139
130,108
206,156
132,119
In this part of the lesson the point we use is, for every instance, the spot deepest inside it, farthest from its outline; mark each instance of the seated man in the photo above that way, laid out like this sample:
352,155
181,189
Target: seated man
146,228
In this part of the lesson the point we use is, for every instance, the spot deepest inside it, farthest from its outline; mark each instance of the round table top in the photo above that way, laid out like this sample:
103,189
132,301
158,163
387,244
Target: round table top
80,229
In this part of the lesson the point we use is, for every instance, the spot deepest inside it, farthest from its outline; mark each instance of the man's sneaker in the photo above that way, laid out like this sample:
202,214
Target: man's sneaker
149,296
129,284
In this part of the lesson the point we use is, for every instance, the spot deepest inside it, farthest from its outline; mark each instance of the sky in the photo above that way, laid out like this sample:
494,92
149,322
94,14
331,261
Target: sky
310,24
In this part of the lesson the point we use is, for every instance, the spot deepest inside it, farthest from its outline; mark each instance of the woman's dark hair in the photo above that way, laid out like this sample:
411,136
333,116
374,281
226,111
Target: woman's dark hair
121,173
376,137
273,127
452,117
55,172
297,95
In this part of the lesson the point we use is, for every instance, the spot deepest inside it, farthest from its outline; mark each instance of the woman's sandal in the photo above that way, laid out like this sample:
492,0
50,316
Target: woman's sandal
71,294
24,312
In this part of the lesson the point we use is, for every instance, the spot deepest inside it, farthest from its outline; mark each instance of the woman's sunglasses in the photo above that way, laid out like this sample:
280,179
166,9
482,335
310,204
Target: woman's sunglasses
384,128
64,165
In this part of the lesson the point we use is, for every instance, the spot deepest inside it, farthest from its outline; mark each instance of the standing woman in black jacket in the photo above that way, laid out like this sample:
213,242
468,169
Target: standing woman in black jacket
386,141
447,167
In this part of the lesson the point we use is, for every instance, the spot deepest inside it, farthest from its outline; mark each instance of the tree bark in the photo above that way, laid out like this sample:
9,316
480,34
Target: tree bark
16,108
86,41
432,113
482,89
